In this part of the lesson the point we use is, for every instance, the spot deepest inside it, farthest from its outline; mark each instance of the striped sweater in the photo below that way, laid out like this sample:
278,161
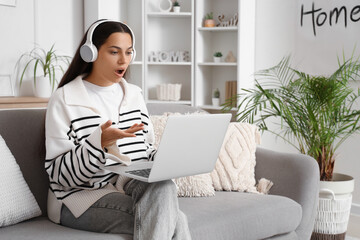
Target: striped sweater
75,160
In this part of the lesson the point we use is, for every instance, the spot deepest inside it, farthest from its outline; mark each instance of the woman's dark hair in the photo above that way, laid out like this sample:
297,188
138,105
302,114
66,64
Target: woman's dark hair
78,66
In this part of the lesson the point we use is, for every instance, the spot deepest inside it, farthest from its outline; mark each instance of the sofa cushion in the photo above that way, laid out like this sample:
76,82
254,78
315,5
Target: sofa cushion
42,229
235,167
238,215
28,148
228,215
17,203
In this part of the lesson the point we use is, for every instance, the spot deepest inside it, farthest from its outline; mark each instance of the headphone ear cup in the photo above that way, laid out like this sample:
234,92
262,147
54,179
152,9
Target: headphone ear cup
88,52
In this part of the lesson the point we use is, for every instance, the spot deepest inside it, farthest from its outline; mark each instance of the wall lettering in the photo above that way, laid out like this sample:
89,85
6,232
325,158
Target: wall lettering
320,18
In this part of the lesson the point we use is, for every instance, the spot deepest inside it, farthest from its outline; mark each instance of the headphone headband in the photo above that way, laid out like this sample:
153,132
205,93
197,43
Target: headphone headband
89,52
92,29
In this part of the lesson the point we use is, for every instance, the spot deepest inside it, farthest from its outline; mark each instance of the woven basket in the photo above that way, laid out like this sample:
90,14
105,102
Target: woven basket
332,217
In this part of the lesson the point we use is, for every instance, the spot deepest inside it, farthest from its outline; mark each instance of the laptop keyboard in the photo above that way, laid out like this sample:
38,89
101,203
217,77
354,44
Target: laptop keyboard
142,172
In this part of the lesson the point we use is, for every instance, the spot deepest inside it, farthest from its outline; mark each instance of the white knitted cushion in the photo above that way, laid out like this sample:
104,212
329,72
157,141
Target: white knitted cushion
235,167
17,203
191,186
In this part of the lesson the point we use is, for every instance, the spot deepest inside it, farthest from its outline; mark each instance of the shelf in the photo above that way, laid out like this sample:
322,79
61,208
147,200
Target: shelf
169,14
218,64
218,29
171,102
136,63
170,63
23,102
211,107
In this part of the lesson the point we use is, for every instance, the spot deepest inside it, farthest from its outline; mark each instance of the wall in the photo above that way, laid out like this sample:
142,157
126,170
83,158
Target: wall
44,22
96,9
279,33
17,34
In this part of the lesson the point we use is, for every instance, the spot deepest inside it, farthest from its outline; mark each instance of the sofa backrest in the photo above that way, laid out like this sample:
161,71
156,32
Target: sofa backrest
24,133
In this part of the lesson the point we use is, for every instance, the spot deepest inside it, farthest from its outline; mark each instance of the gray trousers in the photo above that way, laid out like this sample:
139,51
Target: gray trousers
147,211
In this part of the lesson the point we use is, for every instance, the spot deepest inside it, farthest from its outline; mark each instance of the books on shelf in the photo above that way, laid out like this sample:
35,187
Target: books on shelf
231,92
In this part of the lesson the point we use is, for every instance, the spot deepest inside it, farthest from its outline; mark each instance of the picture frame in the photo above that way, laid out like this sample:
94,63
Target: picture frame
6,87
9,3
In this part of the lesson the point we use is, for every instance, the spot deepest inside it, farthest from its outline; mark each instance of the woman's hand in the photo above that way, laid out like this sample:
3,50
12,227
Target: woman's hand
109,135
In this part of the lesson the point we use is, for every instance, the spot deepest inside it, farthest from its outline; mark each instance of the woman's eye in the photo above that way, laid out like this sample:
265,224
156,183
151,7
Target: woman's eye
129,53
114,52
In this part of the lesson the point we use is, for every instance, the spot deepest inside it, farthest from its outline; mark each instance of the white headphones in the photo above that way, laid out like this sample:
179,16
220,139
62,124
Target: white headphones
89,52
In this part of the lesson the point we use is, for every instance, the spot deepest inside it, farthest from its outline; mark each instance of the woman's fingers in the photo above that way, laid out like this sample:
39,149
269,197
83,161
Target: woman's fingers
106,125
124,134
110,135
134,128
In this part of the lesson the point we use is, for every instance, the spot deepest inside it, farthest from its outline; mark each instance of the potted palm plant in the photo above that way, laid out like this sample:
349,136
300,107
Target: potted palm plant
317,114
48,63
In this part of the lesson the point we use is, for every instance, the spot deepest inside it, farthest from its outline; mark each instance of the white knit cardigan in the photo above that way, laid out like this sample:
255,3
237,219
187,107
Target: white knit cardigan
75,161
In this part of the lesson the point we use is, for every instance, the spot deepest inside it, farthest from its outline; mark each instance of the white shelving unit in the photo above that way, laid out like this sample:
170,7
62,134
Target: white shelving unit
125,12
216,29
168,31
169,14
238,39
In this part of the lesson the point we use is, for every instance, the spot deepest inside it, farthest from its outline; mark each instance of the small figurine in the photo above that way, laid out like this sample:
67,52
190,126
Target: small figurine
230,57
232,22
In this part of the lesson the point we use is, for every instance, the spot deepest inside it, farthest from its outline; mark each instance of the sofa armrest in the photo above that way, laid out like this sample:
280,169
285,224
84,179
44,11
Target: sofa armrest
295,176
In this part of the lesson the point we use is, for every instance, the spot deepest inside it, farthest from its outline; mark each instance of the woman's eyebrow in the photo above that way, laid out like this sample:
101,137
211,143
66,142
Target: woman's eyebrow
119,47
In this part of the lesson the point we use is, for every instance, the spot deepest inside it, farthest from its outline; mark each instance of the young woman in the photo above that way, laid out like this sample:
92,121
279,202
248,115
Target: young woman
94,119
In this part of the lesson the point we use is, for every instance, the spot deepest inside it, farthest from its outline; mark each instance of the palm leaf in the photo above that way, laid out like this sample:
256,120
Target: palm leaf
316,113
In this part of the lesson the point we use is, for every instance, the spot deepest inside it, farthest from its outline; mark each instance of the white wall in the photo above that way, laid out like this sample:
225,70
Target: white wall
96,9
17,34
279,33
44,22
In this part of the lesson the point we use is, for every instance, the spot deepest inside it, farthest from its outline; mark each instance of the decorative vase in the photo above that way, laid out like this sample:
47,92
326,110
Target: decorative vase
43,88
216,102
209,23
332,217
176,9
217,59
165,5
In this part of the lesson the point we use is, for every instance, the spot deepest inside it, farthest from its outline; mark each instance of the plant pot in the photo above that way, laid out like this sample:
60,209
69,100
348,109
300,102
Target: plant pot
216,102
217,59
209,23
333,211
43,88
176,9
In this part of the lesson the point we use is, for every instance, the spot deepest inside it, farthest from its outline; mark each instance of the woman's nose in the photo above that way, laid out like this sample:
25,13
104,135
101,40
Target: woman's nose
122,58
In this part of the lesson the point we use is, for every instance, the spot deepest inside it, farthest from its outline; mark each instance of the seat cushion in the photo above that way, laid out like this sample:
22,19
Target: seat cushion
236,215
42,229
228,215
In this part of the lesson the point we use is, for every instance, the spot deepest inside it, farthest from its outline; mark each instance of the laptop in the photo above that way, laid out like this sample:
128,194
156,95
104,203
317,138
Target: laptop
190,145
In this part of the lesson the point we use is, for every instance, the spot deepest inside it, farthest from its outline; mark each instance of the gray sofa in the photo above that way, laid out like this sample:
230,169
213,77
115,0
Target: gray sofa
288,212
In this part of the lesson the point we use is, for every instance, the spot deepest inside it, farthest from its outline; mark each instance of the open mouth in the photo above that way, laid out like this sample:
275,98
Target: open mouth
120,71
